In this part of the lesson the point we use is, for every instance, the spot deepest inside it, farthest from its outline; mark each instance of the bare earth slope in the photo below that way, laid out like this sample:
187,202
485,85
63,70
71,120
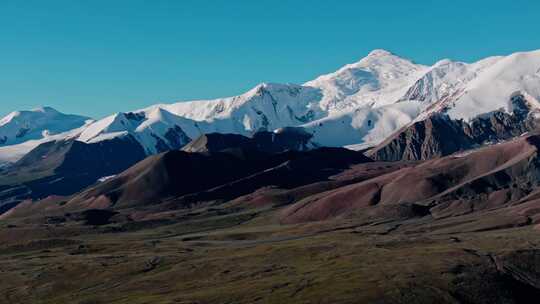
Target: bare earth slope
320,226
490,177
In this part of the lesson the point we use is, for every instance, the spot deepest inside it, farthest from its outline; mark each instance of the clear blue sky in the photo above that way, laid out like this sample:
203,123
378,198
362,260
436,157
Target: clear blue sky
97,57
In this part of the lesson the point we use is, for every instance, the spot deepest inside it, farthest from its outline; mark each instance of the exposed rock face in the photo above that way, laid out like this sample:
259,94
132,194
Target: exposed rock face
285,139
439,135
177,138
214,142
22,132
433,137
174,139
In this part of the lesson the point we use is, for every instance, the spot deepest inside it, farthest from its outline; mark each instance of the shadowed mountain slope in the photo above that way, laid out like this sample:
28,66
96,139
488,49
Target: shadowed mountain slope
285,139
438,135
65,167
233,171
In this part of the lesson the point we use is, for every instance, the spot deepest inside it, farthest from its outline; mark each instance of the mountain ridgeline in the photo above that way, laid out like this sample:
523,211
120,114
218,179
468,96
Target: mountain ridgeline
388,106
386,181
65,167
359,105
438,135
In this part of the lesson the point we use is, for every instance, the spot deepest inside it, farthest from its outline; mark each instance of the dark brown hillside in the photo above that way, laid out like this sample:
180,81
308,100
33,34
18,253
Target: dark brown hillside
66,167
299,169
295,226
232,173
285,139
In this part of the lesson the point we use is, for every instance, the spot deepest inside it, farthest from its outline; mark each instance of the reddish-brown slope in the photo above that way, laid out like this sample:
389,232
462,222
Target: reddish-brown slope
453,185
188,178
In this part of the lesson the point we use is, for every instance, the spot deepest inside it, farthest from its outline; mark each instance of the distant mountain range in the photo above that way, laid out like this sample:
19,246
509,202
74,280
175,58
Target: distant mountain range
384,105
386,181
360,106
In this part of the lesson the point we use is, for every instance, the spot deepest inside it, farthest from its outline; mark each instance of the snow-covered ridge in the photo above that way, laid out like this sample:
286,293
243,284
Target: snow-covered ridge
265,107
360,104
21,126
266,97
12,153
493,87
379,79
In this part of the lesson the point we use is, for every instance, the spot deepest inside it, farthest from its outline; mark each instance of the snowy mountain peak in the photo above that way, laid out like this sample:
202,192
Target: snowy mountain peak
378,79
271,87
118,123
45,109
378,58
21,126
380,53
37,112
360,103
443,62
496,79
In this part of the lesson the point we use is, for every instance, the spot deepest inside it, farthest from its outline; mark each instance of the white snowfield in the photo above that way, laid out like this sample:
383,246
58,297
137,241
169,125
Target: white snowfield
357,106
12,153
379,79
492,89
21,126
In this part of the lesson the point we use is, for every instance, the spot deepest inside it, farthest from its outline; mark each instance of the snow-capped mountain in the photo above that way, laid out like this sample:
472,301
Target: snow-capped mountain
493,88
268,106
379,79
360,104
21,126
163,127
445,78
12,153
156,130
351,99
363,127
22,131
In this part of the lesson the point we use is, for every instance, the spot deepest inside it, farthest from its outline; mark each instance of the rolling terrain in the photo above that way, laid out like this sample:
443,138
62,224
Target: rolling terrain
325,225
383,182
